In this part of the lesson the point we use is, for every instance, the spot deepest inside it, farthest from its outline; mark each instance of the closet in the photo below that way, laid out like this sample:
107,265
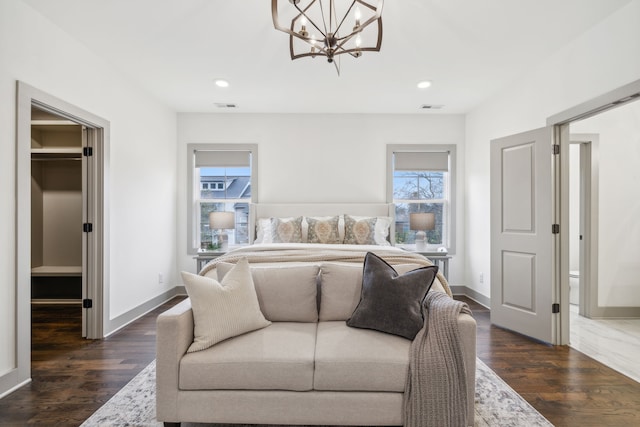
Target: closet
56,209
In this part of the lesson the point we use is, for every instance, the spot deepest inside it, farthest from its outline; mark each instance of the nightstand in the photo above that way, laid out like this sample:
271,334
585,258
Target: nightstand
441,259
204,257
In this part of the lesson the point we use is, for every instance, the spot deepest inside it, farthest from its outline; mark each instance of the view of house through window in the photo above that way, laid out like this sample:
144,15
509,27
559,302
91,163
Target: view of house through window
220,180
421,182
226,190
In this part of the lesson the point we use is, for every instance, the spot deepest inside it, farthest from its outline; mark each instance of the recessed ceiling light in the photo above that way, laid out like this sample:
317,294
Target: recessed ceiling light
222,83
424,84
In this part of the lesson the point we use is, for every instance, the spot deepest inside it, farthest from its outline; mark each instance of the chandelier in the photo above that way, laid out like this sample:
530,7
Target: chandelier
330,28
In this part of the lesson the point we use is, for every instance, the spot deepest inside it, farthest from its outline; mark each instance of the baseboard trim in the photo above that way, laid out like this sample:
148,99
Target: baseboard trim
114,325
9,383
473,294
615,313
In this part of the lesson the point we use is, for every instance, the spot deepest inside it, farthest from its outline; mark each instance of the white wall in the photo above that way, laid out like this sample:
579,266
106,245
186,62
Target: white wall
309,158
142,186
619,203
602,59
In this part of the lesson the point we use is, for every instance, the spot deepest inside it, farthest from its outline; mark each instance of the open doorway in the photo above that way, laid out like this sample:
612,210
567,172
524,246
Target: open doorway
583,227
61,249
58,209
604,289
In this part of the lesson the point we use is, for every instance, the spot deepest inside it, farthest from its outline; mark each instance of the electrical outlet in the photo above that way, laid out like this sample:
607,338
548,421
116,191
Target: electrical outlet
481,277
160,278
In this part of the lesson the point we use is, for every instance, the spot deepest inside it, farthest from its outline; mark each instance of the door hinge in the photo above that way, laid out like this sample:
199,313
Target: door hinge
555,308
87,227
556,149
555,228
87,303
87,151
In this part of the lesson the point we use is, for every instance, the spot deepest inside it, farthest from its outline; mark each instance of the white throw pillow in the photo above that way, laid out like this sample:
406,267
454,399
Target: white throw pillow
224,309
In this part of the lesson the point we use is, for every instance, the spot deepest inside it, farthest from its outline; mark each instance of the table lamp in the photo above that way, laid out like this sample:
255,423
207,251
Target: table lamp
421,222
222,221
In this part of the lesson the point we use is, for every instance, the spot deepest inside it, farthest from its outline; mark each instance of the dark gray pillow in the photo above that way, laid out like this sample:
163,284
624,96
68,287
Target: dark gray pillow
391,303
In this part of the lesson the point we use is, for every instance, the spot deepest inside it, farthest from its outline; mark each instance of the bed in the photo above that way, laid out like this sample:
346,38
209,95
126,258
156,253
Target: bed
321,232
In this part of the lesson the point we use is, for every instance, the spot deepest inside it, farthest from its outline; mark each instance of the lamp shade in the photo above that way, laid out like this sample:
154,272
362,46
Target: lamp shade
422,221
222,220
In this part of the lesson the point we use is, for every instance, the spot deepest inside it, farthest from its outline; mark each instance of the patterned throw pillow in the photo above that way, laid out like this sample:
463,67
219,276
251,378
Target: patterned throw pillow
359,232
323,230
286,230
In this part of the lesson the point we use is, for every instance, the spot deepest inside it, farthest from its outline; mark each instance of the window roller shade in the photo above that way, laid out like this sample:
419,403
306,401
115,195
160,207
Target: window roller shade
421,161
222,158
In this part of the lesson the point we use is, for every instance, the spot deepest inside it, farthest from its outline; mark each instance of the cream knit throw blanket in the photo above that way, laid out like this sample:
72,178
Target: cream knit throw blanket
436,389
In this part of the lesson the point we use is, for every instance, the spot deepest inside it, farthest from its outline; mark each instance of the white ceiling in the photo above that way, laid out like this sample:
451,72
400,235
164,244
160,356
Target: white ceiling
470,49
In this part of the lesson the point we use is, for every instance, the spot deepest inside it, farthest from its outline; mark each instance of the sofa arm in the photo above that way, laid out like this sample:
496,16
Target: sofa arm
467,328
174,336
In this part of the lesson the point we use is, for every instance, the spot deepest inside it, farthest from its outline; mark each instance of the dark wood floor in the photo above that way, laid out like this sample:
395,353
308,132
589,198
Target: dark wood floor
73,377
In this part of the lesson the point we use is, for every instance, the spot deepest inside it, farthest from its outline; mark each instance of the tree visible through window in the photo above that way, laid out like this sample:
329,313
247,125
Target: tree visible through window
421,182
418,191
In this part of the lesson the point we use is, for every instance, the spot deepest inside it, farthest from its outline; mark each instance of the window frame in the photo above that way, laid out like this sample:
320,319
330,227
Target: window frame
450,204
193,190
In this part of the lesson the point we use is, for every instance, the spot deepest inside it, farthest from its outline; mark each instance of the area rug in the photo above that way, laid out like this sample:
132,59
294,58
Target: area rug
496,404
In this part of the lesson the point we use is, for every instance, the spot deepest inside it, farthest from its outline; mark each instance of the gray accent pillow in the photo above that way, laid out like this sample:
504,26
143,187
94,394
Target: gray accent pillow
391,303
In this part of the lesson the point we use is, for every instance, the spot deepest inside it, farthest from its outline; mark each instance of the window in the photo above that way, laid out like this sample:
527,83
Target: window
421,178
221,178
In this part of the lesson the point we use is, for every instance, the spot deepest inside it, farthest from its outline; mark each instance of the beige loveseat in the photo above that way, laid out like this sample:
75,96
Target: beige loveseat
306,368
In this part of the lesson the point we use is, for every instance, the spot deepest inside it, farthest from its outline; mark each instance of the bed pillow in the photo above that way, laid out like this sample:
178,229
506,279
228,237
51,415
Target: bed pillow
323,229
223,309
391,303
286,230
263,231
382,225
285,294
359,231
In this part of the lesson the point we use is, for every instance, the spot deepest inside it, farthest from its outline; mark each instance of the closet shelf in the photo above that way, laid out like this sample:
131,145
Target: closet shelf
57,150
56,271
56,153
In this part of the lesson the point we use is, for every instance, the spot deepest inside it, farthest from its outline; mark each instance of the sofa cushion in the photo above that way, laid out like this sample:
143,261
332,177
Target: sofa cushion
349,359
341,285
278,357
390,302
223,309
285,293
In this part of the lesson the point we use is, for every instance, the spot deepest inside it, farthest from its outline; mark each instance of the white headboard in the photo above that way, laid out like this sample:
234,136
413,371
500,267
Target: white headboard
283,210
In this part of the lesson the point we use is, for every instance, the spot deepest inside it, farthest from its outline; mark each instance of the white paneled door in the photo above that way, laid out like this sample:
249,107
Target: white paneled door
522,239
